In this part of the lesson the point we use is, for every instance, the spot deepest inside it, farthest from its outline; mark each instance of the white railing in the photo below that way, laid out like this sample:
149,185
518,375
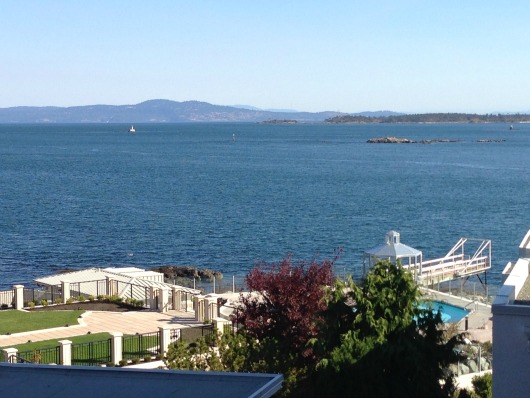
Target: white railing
6,297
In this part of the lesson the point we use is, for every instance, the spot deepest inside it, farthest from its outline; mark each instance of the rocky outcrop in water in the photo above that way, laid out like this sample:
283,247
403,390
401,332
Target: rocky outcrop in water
173,272
396,140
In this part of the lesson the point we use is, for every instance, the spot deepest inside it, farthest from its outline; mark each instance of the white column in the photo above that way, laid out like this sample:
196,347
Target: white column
108,286
116,347
65,288
8,353
165,336
199,308
176,298
152,298
163,299
19,296
65,352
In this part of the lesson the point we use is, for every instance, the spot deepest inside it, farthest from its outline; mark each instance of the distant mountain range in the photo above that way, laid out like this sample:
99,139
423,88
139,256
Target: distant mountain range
162,111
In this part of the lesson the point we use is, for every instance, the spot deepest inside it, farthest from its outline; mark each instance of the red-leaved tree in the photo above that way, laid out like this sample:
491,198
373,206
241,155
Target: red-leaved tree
284,303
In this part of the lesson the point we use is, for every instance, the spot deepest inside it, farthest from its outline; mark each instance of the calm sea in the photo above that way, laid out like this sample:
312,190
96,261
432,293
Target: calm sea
225,196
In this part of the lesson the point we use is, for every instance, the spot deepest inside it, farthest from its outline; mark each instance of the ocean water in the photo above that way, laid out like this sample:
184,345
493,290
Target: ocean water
74,196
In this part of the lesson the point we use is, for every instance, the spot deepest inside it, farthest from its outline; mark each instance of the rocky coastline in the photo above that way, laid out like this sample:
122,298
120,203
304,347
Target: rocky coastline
173,272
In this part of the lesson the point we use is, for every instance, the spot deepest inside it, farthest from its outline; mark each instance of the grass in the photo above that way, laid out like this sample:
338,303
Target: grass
13,321
39,345
133,347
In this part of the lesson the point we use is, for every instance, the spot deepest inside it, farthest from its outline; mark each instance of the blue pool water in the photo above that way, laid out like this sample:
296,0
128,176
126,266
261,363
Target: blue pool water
450,313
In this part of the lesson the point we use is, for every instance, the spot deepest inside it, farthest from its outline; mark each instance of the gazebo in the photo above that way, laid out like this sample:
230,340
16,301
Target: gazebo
394,250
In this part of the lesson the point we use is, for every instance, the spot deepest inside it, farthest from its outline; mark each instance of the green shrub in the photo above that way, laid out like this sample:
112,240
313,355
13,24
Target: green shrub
147,358
91,298
44,302
101,297
483,385
81,298
135,361
4,306
31,304
123,362
58,300
70,300
110,364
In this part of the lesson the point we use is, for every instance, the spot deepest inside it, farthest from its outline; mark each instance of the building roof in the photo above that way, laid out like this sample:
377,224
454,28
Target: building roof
87,382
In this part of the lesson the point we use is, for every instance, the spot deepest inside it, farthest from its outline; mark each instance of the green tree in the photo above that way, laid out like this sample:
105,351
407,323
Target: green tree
376,342
483,385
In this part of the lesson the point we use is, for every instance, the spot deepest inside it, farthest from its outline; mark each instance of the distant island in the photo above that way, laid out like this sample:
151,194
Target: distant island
167,111
432,118
278,121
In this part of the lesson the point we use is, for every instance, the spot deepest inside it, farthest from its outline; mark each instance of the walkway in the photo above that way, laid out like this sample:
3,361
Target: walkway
103,321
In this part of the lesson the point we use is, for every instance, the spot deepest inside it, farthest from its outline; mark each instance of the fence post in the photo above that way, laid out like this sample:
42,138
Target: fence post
152,298
165,339
176,298
65,287
163,302
65,352
10,355
198,302
19,296
116,347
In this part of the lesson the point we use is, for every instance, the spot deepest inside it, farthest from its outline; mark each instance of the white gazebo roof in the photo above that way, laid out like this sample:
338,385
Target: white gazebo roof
393,248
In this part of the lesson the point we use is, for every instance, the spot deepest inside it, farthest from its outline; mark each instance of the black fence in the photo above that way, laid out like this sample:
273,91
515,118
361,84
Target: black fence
194,333
37,295
94,353
41,356
141,345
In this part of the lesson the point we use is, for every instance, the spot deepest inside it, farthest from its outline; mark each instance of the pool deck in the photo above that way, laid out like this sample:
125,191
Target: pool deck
479,319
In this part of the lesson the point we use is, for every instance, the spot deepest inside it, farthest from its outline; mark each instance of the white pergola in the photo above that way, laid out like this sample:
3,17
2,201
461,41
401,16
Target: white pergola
394,250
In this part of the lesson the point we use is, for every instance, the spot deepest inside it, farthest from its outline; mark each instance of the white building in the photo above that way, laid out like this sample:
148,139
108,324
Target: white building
511,328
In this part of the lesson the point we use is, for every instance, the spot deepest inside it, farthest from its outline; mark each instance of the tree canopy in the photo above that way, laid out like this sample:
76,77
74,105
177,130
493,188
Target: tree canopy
333,337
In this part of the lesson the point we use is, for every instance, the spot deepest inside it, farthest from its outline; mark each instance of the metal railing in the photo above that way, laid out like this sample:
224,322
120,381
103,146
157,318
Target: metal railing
40,356
93,353
141,345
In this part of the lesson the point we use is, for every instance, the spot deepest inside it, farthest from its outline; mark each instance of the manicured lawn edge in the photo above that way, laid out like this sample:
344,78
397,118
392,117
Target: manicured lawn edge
13,321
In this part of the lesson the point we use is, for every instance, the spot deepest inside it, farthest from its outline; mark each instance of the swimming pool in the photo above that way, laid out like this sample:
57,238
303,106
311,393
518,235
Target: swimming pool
450,313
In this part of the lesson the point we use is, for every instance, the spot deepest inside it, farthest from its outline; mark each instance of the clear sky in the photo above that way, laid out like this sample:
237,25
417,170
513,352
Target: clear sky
348,56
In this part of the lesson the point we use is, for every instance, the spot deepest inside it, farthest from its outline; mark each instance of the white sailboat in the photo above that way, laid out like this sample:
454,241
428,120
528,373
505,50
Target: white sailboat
132,130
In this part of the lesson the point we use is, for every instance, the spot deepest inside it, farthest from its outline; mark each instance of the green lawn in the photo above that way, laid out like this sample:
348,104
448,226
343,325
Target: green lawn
13,321
39,345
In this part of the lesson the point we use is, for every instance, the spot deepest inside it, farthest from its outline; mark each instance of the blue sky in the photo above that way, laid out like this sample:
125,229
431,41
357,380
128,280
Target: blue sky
348,56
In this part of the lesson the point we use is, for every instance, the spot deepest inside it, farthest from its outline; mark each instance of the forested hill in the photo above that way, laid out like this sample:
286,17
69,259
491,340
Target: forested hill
433,118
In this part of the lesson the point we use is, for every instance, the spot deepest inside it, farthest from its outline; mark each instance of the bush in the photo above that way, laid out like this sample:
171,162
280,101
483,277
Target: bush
135,361
147,358
483,385
123,362
44,302
58,300
91,298
70,300
31,304
101,297
4,306
110,364
81,298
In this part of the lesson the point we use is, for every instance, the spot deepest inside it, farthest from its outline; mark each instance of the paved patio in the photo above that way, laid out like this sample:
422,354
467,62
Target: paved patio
103,321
